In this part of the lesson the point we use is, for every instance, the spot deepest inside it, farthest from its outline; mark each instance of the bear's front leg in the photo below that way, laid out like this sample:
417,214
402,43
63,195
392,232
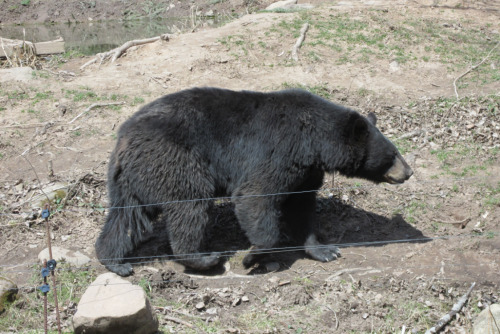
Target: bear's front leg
299,214
259,217
320,252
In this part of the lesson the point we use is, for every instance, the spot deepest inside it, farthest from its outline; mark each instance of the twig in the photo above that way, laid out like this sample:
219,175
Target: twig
335,314
5,52
411,134
159,82
31,125
493,317
117,52
472,69
95,105
299,42
454,310
179,321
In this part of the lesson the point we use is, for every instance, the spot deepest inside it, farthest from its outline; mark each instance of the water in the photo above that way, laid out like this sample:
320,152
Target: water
90,38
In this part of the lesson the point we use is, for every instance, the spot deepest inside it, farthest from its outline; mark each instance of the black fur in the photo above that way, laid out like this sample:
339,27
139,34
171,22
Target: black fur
208,142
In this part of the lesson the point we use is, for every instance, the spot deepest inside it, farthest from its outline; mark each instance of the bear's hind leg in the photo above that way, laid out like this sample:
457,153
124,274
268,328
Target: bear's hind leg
123,230
187,223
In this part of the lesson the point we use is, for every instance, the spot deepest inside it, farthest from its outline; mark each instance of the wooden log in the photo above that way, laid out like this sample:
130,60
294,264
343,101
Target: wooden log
7,46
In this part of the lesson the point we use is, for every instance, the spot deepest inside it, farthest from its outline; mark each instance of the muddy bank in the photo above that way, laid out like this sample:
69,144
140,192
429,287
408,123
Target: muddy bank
50,11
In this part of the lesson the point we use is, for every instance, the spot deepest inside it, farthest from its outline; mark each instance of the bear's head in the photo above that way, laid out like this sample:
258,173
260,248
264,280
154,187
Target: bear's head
377,159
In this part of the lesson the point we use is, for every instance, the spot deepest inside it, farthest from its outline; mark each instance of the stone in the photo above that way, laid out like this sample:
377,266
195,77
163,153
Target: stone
485,321
272,266
75,258
394,66
289,5
8,293
55,191
113,305
23,74
281,4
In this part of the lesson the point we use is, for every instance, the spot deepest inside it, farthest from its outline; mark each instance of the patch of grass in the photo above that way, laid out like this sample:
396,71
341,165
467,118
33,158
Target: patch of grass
86,94
69,54
491,195
256,321
354,39
76,133
26,313
40,74
320,90
18,95
39,96
413,210
146,286
490,235
153,9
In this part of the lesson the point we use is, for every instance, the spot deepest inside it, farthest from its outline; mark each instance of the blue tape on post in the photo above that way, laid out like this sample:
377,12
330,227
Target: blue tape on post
45,288
45,272
51,264
45,213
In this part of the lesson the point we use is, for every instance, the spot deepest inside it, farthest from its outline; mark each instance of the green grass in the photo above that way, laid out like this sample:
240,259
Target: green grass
344,39
320,90
26,313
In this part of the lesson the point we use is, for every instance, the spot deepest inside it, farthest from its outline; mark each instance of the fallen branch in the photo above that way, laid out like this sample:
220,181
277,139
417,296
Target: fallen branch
179,321
411,134
472,69
5,52
117,52
300,40
95,105
454,310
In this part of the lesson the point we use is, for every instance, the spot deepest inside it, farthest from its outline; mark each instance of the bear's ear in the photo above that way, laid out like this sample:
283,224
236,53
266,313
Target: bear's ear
358,129
372,118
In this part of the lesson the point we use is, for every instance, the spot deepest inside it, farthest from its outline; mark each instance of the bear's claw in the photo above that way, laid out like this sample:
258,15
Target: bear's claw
124,269
202,262
323,253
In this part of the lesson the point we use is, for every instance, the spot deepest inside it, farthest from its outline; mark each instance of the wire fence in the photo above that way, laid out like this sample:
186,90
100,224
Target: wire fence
144,260
97,207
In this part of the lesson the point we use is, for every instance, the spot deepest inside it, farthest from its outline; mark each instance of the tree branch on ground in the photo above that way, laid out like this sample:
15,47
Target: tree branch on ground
472,69
117,52
454,310
300,40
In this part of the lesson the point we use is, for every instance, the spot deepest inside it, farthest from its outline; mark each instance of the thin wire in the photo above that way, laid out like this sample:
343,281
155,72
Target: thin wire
100,209
187,256
437,265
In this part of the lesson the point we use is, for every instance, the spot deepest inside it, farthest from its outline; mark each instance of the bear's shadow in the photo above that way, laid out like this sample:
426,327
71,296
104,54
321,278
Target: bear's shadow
339,223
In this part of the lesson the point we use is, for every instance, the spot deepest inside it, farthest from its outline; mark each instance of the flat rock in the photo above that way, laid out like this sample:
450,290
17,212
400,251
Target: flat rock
289,5
16,74
485,321
281,4
113,305
73,257
58,189
8,292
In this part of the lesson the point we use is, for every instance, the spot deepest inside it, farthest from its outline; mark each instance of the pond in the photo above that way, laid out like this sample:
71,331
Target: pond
92,37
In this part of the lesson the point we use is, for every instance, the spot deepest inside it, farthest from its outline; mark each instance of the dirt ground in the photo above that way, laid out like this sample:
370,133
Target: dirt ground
48,11
408,252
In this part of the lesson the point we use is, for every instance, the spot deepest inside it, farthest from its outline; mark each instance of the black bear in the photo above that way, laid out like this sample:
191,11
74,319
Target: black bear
205,143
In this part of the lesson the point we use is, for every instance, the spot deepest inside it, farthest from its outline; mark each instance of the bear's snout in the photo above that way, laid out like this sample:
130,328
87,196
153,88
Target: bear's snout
399,172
